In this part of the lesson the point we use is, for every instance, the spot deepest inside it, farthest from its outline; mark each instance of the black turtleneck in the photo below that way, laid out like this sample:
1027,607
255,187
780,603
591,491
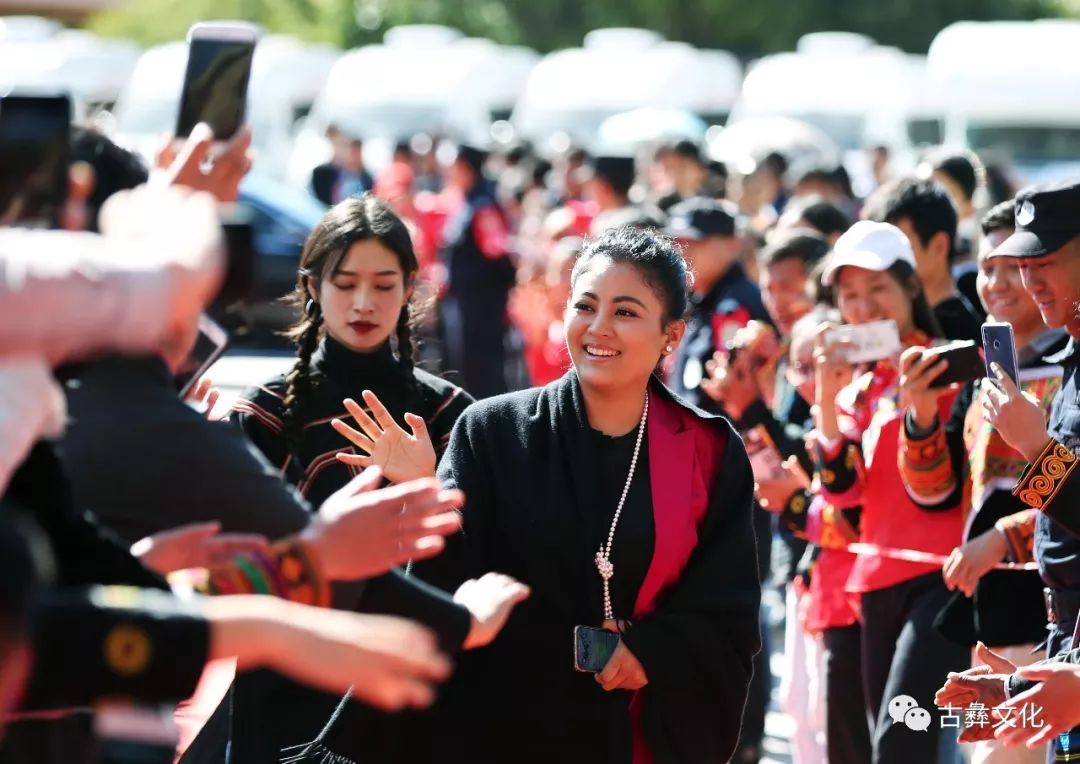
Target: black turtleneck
305,452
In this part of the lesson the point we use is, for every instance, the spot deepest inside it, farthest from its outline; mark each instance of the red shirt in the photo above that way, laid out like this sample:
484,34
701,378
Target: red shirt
870,422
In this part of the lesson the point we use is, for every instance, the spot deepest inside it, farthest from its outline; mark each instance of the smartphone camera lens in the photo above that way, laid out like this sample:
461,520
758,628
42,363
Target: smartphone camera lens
997,345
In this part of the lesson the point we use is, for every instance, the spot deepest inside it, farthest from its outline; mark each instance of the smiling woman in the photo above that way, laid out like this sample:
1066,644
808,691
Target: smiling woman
600,491
357,277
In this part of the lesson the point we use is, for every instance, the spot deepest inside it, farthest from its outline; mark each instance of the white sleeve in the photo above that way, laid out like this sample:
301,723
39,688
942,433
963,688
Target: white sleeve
31,407
62,296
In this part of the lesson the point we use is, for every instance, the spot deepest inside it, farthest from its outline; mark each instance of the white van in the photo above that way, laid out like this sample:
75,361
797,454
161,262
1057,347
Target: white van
285,76
1011,91
39,55
571,92
421,79
856,92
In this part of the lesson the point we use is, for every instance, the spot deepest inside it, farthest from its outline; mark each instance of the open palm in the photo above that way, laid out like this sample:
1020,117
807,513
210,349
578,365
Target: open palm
401,455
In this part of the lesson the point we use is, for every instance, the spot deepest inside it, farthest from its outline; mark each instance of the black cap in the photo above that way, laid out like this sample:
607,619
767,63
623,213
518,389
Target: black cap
1047,218
700,217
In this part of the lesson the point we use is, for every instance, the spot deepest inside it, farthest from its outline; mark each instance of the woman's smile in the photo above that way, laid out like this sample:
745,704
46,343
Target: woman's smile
601,353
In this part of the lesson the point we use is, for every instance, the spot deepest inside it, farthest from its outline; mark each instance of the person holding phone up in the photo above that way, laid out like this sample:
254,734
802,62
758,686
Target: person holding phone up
623,509
858,417
1046,247
946,462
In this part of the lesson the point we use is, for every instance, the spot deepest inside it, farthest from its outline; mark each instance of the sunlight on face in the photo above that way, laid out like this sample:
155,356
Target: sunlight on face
362,299
863,296
614,325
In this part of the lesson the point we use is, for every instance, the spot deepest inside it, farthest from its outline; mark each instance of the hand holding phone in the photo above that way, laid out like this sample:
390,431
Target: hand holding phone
593,648
201,163
965,362
211,343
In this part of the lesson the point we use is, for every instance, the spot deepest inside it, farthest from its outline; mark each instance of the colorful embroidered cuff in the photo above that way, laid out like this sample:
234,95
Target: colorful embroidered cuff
836,530
1044,478
925,466
290,571
1019,532
840,473
303,576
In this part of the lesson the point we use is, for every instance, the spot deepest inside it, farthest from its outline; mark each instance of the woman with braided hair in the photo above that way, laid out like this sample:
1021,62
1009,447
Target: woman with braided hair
356,284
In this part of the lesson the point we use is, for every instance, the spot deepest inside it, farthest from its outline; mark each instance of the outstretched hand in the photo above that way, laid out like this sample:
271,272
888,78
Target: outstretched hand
198,545
361,532
400,455
489,600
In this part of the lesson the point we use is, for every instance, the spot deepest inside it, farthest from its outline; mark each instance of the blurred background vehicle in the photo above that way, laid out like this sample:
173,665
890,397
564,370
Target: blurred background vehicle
572,92
1003,86
421,79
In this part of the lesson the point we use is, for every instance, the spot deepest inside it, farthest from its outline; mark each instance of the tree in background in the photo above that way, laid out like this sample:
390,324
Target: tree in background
749,29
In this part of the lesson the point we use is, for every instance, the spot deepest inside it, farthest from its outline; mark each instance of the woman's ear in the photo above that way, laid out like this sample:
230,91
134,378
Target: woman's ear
674,332
312,288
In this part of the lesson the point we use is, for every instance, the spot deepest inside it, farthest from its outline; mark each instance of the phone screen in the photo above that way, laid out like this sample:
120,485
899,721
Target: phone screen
593,648
209,346
1000,348
215,86
35,136
868,342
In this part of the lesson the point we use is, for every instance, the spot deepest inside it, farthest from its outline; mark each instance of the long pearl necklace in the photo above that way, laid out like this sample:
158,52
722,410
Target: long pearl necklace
603,558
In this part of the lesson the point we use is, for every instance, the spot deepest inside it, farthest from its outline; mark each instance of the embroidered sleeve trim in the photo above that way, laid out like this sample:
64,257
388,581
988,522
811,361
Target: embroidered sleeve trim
925,466
1044,477
1019,532
289,570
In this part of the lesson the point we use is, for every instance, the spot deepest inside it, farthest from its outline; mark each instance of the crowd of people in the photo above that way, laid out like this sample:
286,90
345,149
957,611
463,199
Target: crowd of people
535,404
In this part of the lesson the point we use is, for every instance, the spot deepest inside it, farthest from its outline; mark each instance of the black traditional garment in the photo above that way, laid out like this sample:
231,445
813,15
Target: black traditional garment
538,504
269,718
338,373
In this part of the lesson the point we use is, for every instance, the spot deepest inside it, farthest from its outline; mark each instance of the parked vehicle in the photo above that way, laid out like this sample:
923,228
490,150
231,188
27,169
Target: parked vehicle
430,79
856,92
571,92
1026,112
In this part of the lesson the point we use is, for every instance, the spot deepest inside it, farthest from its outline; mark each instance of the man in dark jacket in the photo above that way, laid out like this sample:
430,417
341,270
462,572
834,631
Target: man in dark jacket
480,272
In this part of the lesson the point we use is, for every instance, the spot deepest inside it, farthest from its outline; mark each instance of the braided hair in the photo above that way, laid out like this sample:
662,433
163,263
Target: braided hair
356,219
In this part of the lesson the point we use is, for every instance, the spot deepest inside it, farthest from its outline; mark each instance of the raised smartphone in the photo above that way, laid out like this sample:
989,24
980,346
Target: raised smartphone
35,151
216,79
999,345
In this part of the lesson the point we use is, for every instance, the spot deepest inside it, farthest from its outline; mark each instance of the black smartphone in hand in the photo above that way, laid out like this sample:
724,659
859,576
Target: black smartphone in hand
35,154
593,648
965,362
209,346
216,79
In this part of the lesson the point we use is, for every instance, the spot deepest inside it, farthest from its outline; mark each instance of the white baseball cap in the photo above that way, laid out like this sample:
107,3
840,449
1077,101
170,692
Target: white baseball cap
869,245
